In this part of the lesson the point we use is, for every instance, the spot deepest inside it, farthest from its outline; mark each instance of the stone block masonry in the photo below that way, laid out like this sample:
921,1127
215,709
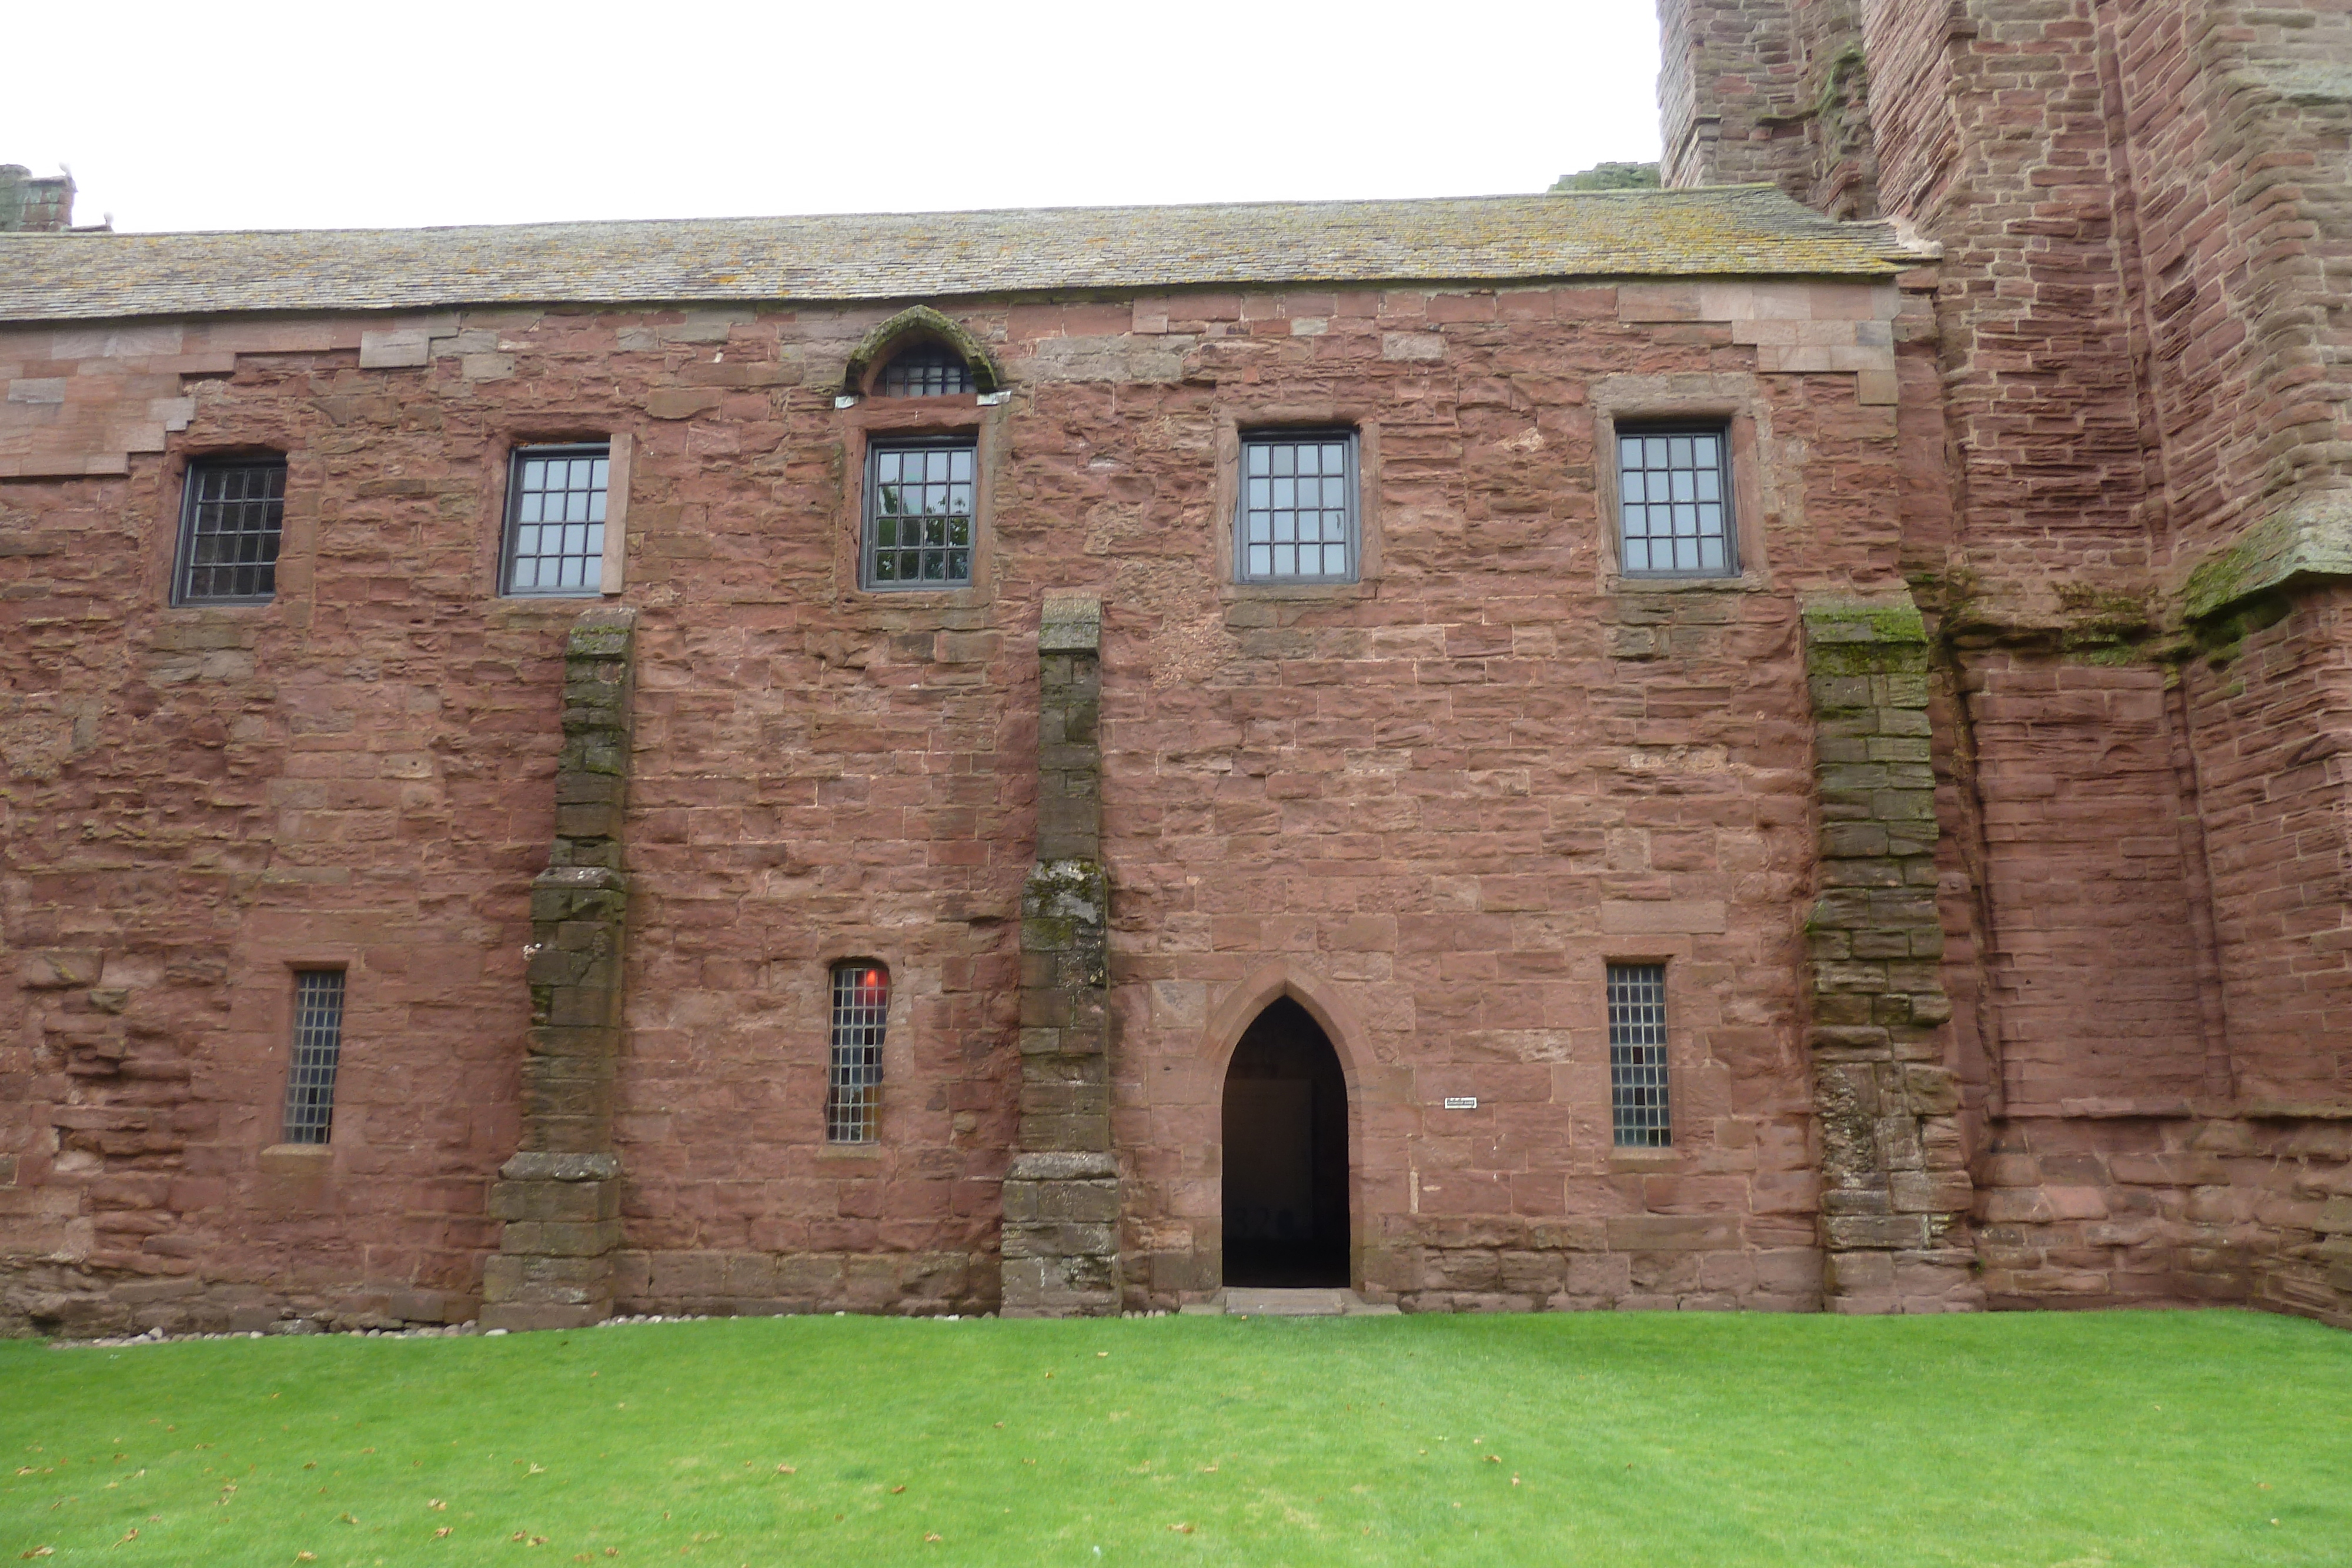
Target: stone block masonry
560,1195
1895,1181
1062,1218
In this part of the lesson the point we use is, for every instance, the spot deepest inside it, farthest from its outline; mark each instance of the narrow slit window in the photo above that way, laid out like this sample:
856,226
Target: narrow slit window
926,370
318,1050
861,1011
231,519
1637,1056
555,521
1673,498
919,514
1299,514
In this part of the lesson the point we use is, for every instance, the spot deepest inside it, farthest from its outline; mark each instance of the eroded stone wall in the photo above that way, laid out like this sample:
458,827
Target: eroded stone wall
1442,799
2137,606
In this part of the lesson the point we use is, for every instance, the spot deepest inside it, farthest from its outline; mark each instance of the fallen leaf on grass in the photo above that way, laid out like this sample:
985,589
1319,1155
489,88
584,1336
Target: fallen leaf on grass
518,1535
1102,1355
438,1505
788,1470
930,1539
895,1490
37,1551
132,1536
349,1520
302,1556
536,1470
1208,1470
1182,1528
443,1531
1515,1480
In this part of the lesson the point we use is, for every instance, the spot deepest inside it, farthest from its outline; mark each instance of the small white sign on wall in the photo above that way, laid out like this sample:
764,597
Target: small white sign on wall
1462,1101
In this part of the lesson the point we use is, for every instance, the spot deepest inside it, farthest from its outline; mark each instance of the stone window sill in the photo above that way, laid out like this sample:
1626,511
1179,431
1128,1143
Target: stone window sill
1644,1159
1327,592
850,1152
1746,582
297,1158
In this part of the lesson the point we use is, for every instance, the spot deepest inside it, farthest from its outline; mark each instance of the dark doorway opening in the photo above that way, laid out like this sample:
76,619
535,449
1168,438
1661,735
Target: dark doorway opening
1286,1154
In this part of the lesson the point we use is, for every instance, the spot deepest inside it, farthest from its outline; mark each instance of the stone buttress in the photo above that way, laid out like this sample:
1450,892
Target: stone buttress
560,1195
1062,1192
1895,1174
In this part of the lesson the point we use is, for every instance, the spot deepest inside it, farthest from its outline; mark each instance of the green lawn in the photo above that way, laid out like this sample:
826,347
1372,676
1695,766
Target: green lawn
2184,1439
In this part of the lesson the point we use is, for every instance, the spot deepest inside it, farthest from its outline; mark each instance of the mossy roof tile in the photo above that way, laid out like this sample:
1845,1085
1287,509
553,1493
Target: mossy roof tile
1731,230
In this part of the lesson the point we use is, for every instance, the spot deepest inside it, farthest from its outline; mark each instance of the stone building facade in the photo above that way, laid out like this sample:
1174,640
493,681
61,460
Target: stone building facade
1981,821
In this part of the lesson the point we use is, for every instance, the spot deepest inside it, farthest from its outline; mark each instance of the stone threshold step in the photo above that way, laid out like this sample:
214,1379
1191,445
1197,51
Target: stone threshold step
1243,1302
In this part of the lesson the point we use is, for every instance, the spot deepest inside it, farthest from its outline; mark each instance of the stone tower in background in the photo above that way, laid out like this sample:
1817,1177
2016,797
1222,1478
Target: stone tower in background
28,206
1769,90
2141,610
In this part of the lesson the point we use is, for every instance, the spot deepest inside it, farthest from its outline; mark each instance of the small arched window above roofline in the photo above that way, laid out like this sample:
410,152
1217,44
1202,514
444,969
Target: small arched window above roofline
926,342
922,368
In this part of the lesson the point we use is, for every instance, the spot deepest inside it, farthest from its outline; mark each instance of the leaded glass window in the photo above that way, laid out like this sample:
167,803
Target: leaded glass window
1637,1056
1298,521
555,521
230,520
919,514
926,370
852,1091
318,1051
1675,499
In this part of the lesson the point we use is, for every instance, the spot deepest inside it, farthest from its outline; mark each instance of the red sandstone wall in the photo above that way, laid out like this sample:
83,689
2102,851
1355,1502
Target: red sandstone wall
2094,962
1441,799
2238,121
195,801
2123,1212
2270,717
1908,43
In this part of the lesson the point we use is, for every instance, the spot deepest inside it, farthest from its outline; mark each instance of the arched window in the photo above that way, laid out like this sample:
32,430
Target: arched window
853,1090
926,370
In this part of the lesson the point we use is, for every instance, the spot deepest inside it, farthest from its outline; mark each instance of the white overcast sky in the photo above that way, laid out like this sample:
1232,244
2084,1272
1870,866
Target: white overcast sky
243,114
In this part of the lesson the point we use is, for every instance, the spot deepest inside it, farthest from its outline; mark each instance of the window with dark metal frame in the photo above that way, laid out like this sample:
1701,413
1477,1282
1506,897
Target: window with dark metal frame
1638,1112
853,1091
1297,519
232,513
318,1049
555,521
919,512
1673,501
926,370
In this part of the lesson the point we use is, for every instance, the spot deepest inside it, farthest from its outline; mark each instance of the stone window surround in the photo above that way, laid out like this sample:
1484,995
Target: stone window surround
491,553
891,417
1684,398
898,1043
275,1057
1225,501
298,528
1675,962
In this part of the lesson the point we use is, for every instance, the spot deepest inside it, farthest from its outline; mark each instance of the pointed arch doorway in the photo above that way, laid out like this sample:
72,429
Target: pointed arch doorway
1286,1154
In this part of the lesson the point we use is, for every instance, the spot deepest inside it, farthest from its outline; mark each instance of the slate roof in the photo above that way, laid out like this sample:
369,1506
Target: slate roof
1727,230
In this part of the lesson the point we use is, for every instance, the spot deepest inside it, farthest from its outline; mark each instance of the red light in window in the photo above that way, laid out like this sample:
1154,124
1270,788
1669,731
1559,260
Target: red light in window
873,979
